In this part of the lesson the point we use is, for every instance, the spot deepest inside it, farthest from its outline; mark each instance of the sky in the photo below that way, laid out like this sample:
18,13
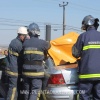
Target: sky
16,13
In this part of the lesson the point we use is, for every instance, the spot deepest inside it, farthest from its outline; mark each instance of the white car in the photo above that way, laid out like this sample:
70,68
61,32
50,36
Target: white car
60,84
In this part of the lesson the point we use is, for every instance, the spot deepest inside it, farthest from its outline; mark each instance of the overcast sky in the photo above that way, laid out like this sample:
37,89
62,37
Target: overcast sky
16,13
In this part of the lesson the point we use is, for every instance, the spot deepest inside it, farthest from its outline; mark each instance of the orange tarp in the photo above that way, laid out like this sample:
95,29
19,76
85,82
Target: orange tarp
61,48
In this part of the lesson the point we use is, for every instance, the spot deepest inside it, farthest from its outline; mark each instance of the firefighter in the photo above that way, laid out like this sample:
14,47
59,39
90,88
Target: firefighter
87,48
15,64
35,50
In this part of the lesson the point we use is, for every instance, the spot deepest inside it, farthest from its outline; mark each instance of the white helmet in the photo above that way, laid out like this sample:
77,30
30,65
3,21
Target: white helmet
22,30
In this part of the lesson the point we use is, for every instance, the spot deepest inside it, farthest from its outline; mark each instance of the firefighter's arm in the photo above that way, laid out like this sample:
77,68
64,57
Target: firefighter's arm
77,47
47,47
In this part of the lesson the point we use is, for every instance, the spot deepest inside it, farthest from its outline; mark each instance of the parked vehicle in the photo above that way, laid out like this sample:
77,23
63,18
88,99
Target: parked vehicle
62,75
60,82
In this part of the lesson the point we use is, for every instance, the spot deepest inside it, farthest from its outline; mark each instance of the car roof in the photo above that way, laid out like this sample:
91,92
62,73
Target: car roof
2,56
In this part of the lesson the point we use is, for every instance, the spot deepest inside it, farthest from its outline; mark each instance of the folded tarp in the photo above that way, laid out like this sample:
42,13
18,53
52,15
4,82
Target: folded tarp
61,48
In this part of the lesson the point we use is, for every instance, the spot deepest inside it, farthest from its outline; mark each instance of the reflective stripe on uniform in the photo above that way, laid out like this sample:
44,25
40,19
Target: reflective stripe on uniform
13,94
33,52
91,47
38,97
47,75
12,73
13,53
89,76
39,93
44,96
33,74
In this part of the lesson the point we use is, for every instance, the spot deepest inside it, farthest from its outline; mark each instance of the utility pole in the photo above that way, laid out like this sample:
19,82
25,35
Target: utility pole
48,33
63,5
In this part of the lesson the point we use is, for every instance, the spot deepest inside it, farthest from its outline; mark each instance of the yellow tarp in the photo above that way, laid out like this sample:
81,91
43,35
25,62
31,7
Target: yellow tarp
61,48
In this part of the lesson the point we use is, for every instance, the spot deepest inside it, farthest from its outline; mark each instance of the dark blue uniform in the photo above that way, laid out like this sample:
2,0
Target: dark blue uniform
33,71
14,67
88,48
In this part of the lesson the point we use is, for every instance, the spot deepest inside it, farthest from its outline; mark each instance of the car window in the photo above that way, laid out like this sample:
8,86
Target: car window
2,63
49,63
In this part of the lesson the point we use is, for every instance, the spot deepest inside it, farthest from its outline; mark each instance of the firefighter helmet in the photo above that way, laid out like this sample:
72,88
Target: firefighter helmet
22,30
89,21
33,28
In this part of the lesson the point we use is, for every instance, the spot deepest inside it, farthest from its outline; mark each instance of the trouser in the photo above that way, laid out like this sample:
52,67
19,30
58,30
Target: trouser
12,89
32,87
5,80
19,87
4,77
89,88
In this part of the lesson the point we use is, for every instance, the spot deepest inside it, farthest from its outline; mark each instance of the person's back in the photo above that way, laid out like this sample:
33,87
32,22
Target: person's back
87,48
34,49
34,52
38,46
90,57
13,54
12,69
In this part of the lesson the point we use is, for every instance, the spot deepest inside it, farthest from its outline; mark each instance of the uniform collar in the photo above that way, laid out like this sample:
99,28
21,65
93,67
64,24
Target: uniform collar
32,36
91,28
18,39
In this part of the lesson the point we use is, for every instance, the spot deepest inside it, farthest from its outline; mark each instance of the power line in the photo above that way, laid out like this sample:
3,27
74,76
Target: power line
39,26
85,8
23,21
78,5
11,24
58,28
53,25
